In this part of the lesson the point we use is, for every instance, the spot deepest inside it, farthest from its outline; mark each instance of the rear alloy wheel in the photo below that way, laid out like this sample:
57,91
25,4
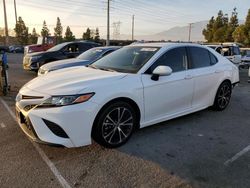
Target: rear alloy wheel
223,96
115,125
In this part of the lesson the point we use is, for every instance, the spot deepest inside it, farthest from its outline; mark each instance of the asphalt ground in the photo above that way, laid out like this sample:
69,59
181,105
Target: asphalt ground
204,149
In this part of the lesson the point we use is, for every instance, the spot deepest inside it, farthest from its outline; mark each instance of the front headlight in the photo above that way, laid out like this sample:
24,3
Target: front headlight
42,71
57,101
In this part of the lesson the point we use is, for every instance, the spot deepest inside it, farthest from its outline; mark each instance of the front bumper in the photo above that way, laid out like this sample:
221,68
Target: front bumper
75,120
28,64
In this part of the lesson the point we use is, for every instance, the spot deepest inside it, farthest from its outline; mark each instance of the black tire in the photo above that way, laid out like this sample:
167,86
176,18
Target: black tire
223,96
114,125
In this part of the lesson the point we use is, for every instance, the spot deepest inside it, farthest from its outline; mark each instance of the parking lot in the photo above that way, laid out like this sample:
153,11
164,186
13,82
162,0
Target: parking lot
204,149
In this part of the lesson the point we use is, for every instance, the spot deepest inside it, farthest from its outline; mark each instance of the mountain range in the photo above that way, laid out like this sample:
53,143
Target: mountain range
176,33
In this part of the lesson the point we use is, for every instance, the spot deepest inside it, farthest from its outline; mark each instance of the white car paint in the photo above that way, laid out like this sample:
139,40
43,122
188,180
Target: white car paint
171,96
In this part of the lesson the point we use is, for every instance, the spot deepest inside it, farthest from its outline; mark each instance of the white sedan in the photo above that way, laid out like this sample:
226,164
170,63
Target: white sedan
134,87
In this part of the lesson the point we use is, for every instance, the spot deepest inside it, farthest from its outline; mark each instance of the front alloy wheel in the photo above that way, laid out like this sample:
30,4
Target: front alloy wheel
115,125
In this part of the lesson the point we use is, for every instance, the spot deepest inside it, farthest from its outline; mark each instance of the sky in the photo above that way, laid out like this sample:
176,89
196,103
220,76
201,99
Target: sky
150,16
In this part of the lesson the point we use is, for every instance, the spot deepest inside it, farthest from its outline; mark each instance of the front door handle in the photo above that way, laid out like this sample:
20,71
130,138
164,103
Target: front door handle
188,77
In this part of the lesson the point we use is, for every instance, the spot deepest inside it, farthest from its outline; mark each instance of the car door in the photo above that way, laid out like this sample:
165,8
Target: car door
171,94
206,75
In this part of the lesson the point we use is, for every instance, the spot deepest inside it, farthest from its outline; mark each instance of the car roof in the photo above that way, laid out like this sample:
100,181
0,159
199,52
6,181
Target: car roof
166,44
107,47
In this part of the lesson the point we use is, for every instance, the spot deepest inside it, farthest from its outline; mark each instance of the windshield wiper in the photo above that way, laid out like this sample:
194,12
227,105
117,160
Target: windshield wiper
93,66
106,69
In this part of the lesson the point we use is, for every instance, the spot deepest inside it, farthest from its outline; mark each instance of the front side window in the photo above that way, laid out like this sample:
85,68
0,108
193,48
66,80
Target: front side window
199,57
176,59
236,51
128,59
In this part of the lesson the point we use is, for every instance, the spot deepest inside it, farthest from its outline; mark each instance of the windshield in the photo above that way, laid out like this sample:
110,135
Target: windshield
57,47
91,54
128,59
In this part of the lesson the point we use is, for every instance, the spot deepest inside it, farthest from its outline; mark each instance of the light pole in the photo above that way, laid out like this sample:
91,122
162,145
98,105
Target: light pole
108,23
6,24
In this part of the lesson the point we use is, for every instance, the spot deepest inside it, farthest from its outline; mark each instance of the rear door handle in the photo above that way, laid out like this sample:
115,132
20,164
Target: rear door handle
188,77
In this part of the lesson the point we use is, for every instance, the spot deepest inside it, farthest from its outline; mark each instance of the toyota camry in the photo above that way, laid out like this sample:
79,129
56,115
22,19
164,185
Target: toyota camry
134,87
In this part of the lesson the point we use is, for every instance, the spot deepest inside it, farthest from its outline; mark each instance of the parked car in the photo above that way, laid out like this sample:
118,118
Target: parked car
245,60
61,51
16,49
134,87
84,59
230,50
4,48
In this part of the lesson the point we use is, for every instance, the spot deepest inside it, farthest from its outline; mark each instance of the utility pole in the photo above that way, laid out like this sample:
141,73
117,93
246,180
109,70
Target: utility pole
15,10
133,26
6,24
189,33
108,23
116,32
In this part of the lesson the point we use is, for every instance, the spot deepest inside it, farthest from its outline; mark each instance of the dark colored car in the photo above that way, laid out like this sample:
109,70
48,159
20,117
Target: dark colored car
61,51
16,49
4,48
84,59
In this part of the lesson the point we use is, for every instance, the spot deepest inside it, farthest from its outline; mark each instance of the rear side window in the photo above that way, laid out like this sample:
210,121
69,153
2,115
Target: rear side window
213,59
199,57
174,58
84,47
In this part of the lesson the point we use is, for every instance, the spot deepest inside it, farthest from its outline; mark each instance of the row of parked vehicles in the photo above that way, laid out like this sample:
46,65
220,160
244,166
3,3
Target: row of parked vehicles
63,53
119,91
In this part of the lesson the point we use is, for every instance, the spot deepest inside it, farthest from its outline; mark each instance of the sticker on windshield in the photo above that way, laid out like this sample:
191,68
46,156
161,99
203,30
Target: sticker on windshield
148,49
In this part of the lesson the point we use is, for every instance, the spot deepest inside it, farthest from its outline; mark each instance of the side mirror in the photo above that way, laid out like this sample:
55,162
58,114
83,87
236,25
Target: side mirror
161,71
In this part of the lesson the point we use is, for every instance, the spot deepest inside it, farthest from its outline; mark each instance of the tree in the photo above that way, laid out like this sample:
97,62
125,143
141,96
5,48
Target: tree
69,35
247,29
220,27
58,31
22,32
33,36
208,32
239,34
45,31
232,25
97,35
87,35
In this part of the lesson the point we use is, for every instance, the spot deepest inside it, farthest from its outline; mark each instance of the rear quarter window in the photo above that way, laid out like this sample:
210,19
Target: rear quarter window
199,57
213,59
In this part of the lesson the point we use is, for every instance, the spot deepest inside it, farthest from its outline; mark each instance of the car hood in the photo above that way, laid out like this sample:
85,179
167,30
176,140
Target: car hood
42,53
71,80
63,64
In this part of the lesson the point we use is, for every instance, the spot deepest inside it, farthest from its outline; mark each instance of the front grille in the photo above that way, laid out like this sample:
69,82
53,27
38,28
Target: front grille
26,125
31,97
